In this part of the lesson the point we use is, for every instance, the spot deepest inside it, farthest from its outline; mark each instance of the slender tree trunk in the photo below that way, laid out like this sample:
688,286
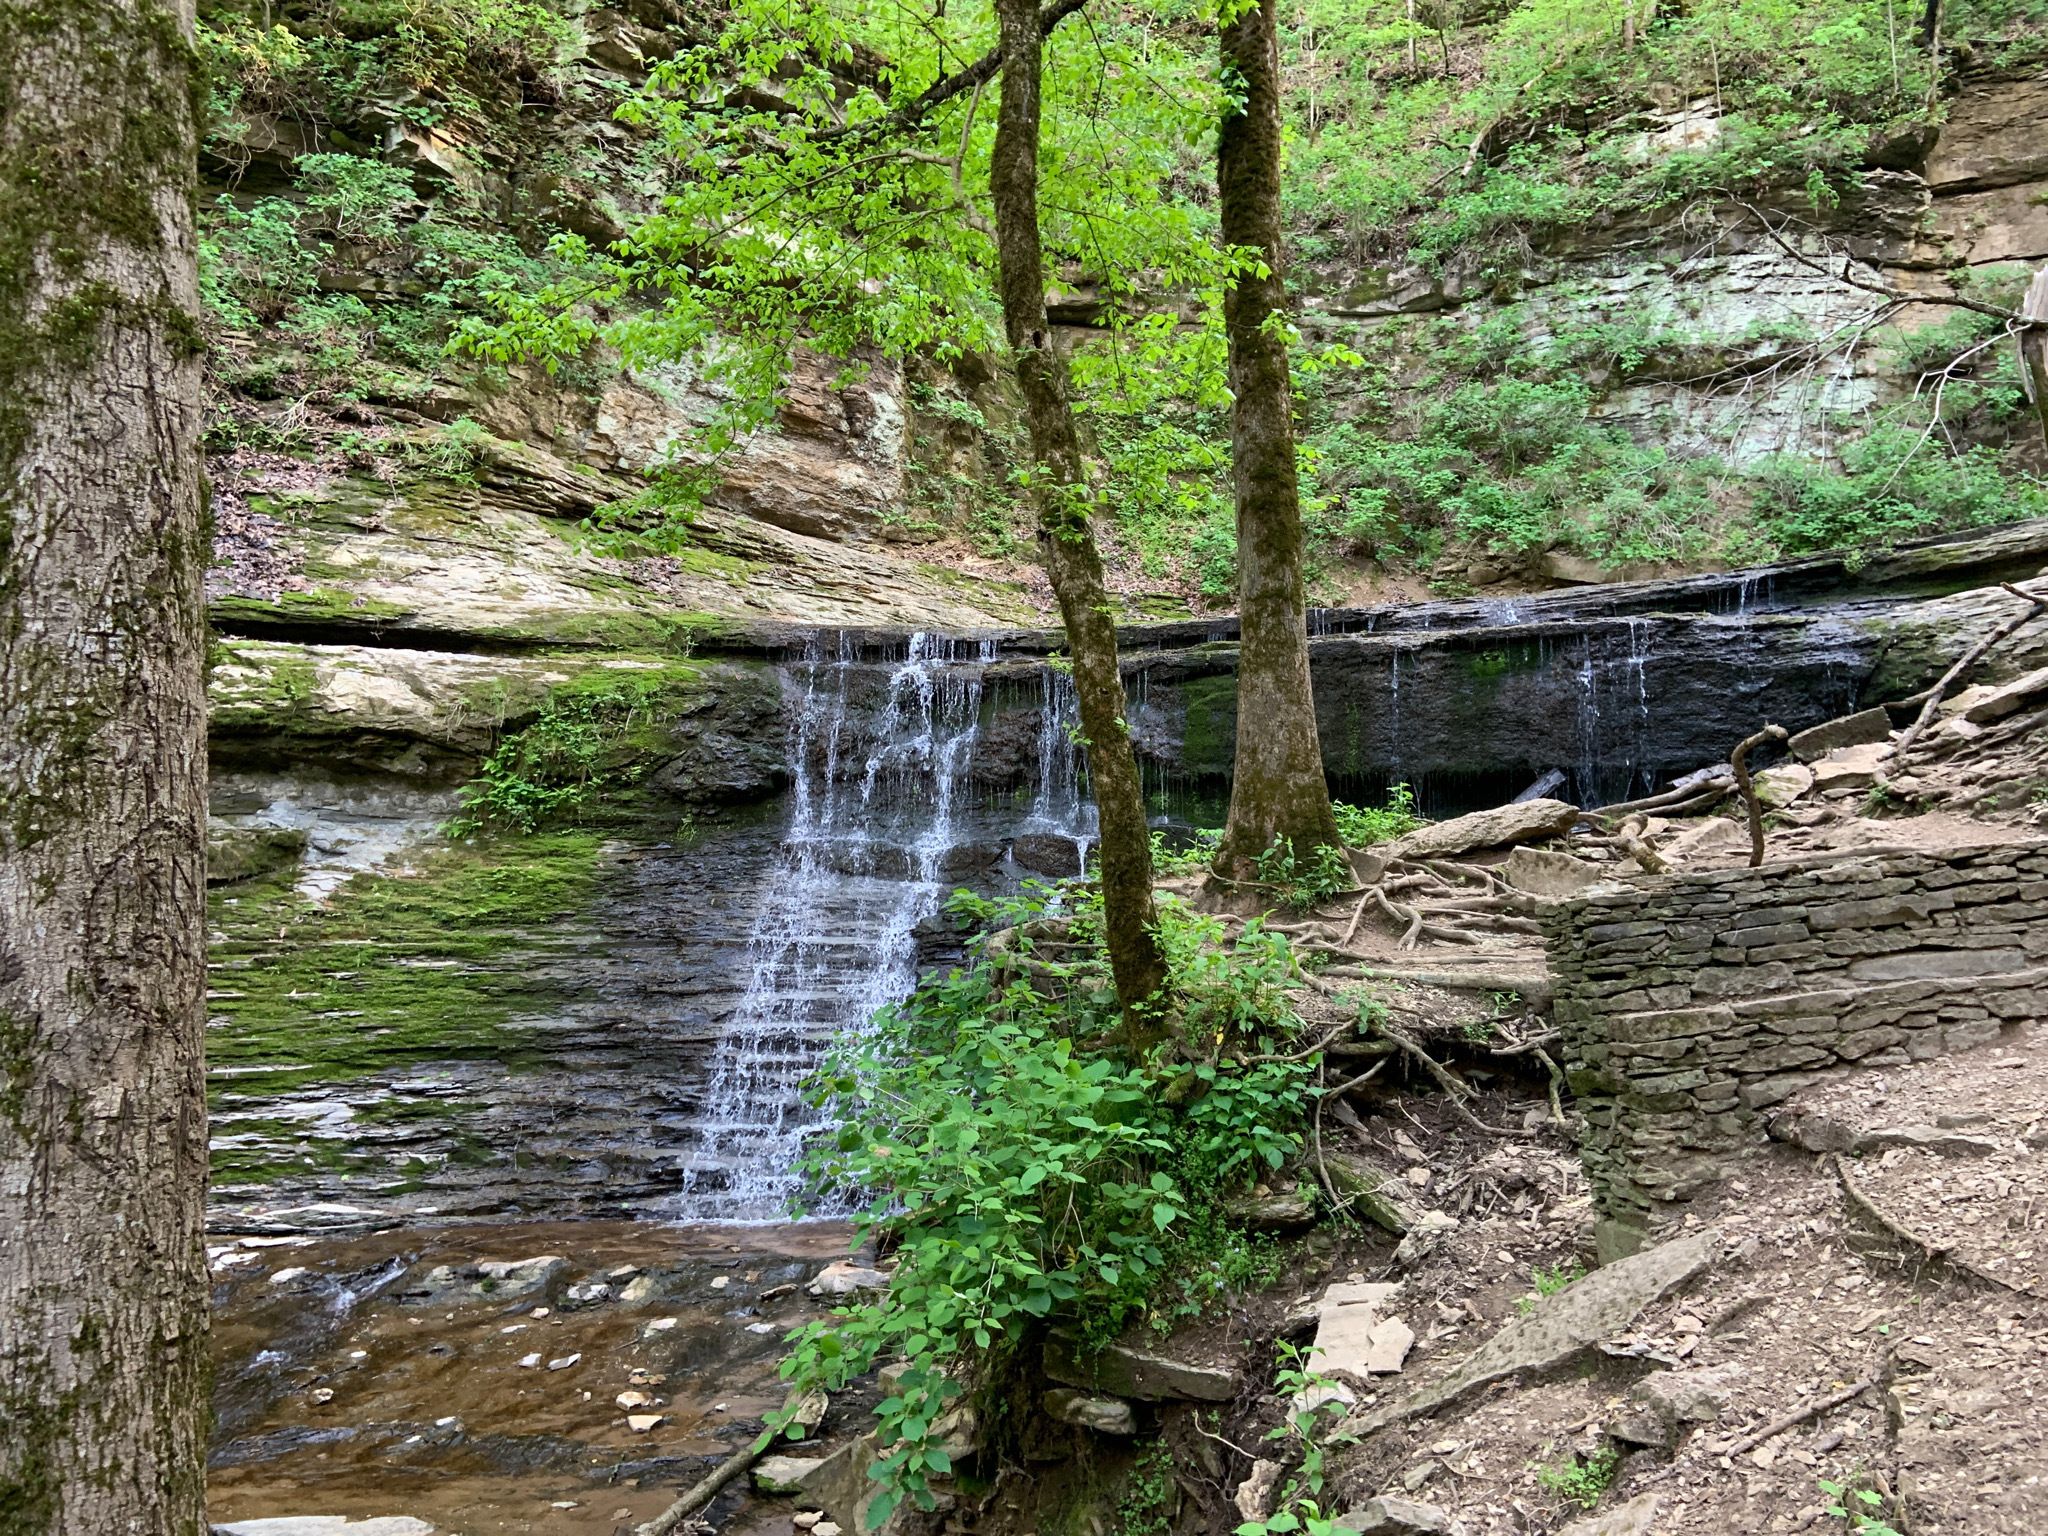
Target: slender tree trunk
103,1331
1277,789
1066,536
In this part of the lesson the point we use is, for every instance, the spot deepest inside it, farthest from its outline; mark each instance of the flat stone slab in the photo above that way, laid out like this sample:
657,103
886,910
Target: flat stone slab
327,1525
1527,821
1390,1516
1123,1370
1347,1316
1563,1325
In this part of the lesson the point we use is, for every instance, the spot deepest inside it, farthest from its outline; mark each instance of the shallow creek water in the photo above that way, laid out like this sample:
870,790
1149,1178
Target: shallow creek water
386,1374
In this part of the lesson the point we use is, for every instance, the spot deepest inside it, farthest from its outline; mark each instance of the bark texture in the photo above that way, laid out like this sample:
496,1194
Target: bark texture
1066,536
1277,788
103,1345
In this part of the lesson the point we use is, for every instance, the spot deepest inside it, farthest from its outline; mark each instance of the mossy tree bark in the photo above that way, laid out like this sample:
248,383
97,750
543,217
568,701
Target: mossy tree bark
1066,534
103,1334
1277,788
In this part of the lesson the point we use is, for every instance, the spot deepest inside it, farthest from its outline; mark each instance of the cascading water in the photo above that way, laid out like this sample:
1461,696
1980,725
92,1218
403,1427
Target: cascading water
862,864
1060,806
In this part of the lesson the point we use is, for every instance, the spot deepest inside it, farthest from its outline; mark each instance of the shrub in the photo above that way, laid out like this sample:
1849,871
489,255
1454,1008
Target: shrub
1024,1175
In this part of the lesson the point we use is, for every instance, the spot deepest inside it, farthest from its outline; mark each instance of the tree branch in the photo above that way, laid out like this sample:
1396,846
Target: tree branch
944,89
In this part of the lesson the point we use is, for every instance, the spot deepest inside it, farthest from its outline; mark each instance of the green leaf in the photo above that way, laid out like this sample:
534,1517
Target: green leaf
1163,1216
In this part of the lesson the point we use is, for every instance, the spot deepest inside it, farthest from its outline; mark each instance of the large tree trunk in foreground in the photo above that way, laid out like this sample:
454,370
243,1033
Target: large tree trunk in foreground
1277,789
103,1338
1065,534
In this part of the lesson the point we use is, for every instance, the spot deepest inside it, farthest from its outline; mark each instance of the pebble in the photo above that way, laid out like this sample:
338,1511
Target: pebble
640,1423
286,1276
804,1519
359,1354
721,1283
825,1528
323,1394
760,1328
633,1400
538,1312
528,1362
565,1362
563,1504
662,1324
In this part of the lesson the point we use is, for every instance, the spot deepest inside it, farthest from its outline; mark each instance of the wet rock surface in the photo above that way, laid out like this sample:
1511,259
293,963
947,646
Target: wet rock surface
361,1388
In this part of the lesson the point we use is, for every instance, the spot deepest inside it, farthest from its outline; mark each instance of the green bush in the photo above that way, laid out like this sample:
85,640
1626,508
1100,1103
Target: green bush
592,739
1362,826
1026,1176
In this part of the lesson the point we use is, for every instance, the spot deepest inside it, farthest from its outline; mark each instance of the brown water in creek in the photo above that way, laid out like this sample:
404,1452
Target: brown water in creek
381,1374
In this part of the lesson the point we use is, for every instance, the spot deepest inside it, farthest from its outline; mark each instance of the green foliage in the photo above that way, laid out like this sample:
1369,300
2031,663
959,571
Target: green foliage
795,206
1362,826
259,279
1300,881
1548,1282
343,62
1304,1437
592,740
1192,857
1142,1509
1025,1176
1861,1509
1581,1482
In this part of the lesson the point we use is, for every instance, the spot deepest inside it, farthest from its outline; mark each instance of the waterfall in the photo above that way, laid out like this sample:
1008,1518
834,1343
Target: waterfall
1059,804
862,864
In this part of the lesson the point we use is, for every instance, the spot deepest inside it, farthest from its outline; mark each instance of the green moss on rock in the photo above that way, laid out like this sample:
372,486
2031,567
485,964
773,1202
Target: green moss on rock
417,964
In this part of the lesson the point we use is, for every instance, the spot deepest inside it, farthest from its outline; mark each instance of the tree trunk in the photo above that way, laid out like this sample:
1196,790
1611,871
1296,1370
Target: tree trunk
103,1329
1066,536
2033,343
1277,789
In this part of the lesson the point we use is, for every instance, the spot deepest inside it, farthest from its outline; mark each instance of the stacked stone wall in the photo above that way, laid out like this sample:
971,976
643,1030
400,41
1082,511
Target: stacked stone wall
1692,1003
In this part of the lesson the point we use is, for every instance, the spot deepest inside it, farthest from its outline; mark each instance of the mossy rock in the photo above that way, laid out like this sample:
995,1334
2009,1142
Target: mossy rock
234,854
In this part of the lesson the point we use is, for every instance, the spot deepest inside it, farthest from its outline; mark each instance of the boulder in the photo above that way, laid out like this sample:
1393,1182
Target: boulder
1637,1517
1047,853
1704,839
1254,1496
1271,1213
845,1278
1525,821
785,1474
1850,767
242,853
1347,1318
1661,1407
1104,1415
1987,702
1539,872
1780,786
1125,1370
1861,729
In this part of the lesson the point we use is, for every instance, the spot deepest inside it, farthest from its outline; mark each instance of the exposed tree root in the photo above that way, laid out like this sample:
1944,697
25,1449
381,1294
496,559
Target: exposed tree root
1931,1254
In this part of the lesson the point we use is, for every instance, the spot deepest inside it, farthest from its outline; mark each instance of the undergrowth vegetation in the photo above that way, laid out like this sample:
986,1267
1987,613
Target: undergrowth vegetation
1027,1176
593,740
